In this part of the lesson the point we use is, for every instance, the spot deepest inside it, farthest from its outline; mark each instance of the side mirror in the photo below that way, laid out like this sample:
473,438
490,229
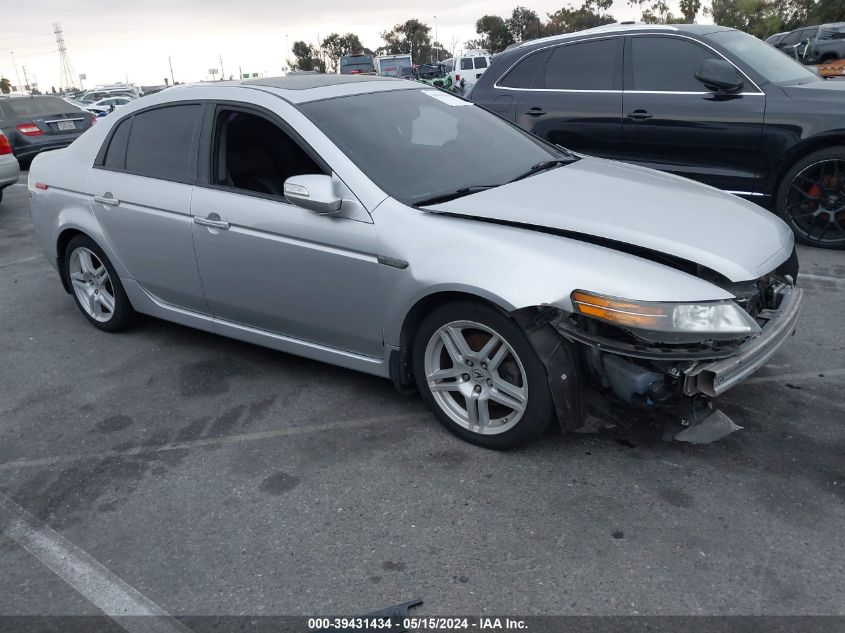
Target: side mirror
718,75
314,192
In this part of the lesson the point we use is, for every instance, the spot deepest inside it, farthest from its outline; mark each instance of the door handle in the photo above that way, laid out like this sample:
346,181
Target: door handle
536,112
640,115
214,224
107,199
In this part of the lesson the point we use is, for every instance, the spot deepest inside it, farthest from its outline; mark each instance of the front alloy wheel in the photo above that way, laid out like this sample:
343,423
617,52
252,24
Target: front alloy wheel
814,202
479,373
476,377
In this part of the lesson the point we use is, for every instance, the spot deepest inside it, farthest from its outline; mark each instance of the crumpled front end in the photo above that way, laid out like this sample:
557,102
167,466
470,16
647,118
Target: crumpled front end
626,374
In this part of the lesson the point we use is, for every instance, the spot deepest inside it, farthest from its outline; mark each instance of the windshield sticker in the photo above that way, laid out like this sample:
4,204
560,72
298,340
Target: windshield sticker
446,98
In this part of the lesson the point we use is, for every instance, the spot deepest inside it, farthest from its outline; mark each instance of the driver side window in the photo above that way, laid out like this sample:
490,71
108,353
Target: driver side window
667,64
251,153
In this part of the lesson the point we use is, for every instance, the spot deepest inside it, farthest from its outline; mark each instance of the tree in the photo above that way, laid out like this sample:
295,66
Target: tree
336,46
307,57
589,15
758,17
412,36
5,86
494,33
524,24
659,12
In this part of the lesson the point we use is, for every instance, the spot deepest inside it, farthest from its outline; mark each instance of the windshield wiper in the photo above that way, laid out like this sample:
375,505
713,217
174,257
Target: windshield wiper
458,193
543,166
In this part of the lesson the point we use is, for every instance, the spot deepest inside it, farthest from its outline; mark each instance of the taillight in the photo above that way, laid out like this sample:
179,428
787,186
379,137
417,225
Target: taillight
29,129
93,119
5,147
40,185
457,77
355,72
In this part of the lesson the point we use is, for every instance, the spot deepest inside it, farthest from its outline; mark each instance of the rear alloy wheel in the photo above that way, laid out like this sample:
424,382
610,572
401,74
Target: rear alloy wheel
481,376
96,286
812,199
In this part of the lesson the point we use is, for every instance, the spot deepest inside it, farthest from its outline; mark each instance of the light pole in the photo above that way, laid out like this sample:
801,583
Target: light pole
17,74
436,39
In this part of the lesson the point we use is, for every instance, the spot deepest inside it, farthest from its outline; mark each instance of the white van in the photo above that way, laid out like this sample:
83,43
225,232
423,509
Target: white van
466,68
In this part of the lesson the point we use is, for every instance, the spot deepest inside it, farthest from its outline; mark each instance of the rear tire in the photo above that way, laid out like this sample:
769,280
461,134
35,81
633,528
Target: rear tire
479,374
95,286
811,198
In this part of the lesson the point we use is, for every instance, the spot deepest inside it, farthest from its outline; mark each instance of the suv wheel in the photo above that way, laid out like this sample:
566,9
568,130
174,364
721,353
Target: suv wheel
480,375
811,198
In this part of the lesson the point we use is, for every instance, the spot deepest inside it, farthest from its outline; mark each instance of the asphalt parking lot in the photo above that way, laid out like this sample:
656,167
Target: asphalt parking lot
214,477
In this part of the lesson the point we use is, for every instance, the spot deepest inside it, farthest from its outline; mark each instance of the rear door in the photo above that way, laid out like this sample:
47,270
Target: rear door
674,123
140,190
575,100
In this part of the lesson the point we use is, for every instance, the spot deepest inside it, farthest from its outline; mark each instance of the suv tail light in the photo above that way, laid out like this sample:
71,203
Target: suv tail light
457,77
5,147
29,129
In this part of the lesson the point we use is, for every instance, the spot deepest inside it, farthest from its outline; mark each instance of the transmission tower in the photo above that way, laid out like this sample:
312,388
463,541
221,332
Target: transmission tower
67,77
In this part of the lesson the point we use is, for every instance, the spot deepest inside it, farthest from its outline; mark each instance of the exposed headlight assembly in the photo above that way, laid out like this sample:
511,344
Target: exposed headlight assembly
715,318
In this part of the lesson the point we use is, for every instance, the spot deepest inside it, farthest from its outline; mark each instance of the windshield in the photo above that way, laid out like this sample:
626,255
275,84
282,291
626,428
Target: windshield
763,58
418,144
33,106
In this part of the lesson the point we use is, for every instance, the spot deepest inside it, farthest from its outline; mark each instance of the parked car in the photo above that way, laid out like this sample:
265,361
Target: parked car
793,43
777,37
826,45
465,69
10,171
104,106
357,65
390,65
510,281
705,102
35,124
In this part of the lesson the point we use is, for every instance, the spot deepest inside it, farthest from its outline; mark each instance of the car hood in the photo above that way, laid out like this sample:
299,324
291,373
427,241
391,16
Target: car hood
633,205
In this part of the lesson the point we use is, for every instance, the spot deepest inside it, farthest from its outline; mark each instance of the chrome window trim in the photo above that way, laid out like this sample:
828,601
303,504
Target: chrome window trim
608,36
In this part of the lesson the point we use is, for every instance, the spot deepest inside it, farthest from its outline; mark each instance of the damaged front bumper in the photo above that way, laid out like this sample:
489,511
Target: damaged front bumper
594,376
716,377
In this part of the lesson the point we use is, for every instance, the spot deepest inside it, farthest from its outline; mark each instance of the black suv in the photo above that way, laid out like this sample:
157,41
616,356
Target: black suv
705,102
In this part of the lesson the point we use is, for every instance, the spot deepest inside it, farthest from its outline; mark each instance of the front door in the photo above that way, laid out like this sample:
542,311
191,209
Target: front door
576,99
674,123
140,192
271,265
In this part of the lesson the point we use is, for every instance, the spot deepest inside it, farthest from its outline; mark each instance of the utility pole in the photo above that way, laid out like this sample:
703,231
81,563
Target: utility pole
67,78
172,80
26,80
436,39
17,74
222,74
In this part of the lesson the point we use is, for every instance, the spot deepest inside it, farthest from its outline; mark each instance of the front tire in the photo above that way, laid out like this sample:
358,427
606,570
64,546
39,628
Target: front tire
95,286
811,198
478,372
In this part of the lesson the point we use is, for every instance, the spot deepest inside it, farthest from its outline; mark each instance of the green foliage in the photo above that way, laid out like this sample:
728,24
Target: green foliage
412,36
591,14
336,46
5,86
307,57
524,24
494,33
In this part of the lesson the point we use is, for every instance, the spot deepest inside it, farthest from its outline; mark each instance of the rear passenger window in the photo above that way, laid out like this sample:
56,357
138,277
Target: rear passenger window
116,153
481,62
466,63
524,73
160,142
583,66
667,64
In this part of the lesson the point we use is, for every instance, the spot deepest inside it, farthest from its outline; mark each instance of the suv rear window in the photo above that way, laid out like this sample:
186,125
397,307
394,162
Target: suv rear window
161,140
524,73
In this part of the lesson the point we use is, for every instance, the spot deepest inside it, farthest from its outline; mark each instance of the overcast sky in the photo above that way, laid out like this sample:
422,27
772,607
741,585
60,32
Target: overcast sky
119,40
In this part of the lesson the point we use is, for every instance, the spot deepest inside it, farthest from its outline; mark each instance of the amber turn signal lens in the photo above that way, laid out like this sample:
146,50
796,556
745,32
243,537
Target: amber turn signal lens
619,311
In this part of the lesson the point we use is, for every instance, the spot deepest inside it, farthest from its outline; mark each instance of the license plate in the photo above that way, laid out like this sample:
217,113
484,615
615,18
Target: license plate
67,125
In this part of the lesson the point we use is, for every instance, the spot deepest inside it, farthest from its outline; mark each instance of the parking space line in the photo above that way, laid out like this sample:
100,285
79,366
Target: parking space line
211,441
822,277
20,261
79,570
820,373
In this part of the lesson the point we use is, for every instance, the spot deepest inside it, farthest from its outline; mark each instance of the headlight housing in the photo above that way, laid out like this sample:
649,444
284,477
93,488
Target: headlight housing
707,319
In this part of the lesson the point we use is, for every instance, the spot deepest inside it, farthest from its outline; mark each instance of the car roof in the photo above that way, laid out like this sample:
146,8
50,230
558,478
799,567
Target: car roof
622,28
305,88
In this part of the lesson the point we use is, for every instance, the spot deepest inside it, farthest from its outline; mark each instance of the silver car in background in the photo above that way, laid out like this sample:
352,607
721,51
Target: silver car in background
397,230
10,170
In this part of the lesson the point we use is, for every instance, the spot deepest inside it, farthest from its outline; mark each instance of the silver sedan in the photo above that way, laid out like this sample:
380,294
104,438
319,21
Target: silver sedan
390,228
